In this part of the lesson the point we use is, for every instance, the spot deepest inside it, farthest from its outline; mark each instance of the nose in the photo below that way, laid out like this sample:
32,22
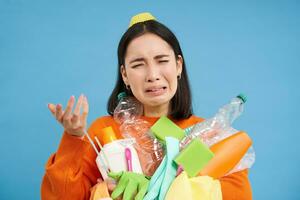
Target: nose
153,74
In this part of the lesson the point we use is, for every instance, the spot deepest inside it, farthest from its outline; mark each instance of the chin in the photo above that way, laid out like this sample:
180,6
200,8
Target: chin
156,102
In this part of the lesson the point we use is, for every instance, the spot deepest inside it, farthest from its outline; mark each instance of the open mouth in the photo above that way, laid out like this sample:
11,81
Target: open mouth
156,89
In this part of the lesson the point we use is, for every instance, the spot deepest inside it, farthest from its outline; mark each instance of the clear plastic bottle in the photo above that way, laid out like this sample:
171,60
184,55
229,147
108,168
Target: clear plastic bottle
219,127
209,131
128,108
128,114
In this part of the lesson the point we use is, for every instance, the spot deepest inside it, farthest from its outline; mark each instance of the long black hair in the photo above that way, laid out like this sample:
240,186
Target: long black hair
181,103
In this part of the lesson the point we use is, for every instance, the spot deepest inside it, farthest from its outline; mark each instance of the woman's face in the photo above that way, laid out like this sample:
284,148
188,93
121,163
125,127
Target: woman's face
151,70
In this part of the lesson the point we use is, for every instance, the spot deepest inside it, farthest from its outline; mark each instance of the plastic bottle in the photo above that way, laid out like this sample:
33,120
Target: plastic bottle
149,149
213,130
227,154
128,109
209,130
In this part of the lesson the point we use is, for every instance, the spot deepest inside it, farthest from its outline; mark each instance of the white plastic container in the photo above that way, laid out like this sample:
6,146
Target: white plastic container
114,155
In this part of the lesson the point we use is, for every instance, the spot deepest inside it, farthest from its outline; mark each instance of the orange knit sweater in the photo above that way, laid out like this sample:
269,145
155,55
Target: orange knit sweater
72,171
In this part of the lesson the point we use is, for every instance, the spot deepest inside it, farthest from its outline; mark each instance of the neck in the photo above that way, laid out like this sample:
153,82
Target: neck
156,111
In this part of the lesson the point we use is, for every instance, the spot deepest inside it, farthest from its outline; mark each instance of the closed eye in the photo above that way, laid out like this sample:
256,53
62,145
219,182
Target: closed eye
163,61
135,66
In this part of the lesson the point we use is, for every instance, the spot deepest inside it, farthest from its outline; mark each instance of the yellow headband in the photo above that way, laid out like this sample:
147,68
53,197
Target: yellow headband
141,17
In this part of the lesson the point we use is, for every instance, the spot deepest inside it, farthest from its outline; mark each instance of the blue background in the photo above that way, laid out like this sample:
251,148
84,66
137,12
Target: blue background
52,50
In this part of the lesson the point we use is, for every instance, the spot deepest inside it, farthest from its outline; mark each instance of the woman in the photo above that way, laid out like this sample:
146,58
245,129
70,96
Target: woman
152,69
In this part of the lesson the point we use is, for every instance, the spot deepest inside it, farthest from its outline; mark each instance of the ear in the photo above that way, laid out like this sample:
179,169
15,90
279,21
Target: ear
179,64
124,75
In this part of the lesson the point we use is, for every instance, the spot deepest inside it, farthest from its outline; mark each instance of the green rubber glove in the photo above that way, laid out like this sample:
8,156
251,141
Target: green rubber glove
130,183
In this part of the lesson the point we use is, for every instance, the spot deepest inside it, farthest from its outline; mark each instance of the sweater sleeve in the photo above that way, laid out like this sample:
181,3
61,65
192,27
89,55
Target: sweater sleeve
71,171
236,186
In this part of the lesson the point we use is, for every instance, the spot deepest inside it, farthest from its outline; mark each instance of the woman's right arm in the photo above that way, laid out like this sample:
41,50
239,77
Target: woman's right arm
71,171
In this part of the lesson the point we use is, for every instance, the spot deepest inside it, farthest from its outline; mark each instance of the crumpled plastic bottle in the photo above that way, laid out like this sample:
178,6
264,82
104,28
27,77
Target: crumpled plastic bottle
128,114
219,127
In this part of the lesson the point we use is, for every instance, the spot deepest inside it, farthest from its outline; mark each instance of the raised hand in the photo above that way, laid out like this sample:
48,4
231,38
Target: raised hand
74,122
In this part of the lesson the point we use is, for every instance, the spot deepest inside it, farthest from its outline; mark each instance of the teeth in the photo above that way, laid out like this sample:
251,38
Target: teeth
154,90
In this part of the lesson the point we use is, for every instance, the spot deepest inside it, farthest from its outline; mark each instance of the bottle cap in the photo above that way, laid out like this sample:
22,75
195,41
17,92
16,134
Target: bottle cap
107,135
242,97
121,95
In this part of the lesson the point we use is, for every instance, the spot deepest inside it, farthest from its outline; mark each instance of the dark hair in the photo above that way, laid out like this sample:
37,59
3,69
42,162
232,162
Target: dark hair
181,105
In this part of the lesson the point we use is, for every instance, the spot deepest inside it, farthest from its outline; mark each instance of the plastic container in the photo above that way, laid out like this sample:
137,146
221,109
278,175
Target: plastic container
114,153
213,130
107,135
128,109
227,153
210,130
149,149
112,156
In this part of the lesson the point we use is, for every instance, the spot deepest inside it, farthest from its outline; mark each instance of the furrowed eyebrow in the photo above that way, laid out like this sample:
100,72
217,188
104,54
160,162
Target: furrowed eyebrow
136,60
142,59
161,56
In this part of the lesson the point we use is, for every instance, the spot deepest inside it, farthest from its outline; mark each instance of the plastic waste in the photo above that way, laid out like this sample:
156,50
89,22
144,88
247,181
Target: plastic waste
227,153
128,114
219,127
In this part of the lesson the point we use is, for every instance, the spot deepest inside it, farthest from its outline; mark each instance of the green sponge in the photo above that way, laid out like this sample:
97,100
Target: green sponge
194,157
164,127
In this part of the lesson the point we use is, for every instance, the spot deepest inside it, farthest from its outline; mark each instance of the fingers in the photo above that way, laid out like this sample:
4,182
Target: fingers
76,113
85,110
130,190
59,112
69,107
68,112
73,121
120,187
52,108
56,111
142,191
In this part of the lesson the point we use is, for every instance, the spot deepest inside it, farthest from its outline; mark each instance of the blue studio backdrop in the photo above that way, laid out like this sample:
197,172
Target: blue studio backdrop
50,50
